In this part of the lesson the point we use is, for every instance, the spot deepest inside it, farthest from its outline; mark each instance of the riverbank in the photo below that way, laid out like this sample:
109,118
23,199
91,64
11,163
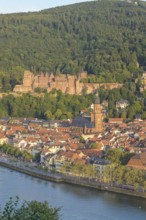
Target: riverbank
20,167
69,179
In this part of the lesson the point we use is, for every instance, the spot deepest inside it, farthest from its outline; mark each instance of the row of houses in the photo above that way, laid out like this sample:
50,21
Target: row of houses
60,144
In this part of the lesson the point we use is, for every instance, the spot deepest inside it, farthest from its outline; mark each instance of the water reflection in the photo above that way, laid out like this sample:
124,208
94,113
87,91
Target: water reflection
81,192
124,200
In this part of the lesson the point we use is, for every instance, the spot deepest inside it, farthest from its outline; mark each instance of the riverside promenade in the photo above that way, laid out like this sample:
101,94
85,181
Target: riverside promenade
30,169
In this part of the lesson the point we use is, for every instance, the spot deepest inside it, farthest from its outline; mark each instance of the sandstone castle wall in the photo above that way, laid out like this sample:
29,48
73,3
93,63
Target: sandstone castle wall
70,84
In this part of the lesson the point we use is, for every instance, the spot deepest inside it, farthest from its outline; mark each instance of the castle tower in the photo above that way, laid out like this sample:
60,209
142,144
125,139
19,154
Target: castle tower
27,83
96,116
28,78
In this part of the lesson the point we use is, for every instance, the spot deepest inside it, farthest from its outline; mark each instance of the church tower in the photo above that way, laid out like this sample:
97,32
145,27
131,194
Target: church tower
96,116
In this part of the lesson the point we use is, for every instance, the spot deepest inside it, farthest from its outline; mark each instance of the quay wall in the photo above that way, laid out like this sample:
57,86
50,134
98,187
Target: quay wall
34,173
79,181
99,186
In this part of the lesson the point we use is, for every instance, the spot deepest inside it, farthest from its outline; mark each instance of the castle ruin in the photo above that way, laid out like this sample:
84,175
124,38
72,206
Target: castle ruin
70,84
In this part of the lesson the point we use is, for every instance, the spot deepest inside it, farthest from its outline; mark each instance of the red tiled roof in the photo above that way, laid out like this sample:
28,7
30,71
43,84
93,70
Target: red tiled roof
138,161
116,120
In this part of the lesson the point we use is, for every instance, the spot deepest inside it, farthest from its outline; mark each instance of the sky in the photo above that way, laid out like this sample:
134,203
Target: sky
11,6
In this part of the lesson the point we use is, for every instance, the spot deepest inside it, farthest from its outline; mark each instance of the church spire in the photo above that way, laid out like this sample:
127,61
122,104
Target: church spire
96,116
97,99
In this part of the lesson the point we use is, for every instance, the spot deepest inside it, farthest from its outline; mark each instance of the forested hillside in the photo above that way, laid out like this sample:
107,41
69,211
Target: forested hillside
105,38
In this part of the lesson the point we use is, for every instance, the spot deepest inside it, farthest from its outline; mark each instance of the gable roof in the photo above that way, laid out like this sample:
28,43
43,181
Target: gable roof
138,161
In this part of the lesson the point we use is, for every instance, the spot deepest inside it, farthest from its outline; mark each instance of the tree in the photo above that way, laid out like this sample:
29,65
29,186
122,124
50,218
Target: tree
106,175
119,174
91,172
65,168
124,114
84,91
131,112
49,115
115,156
144,185
126,157
14,210
58,113
82,140
143,116
78,169
95,145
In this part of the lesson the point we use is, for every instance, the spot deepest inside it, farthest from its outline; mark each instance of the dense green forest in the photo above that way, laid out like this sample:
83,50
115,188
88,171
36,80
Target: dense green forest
105,38
56,105
51,106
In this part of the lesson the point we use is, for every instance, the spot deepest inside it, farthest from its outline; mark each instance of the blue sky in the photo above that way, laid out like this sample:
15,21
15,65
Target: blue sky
10,6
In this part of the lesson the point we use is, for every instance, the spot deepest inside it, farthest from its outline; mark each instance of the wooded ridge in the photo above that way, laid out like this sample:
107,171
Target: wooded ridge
104,38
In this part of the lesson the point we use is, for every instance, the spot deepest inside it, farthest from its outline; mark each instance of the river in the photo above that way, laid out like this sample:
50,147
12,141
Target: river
77,203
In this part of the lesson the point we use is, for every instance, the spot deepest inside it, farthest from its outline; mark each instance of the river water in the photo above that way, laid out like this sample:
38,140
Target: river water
77,203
